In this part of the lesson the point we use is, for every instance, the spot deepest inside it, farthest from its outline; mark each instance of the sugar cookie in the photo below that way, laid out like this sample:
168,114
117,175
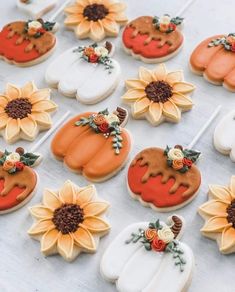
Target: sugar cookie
36,8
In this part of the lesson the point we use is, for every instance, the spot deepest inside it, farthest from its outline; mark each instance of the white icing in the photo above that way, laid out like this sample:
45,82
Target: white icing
224,135
134,269
36,8
74,76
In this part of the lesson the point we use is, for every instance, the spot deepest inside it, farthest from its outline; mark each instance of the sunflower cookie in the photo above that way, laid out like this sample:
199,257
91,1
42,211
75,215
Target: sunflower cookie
218,214
69,221
36,8
164,179
153,39
95,19
158,95
18,180
26,43
85,72
149,257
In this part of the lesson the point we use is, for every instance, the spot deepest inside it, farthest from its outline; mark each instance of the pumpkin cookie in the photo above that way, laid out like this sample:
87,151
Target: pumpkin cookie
153,39
158,95
26,43
24,112
95,19
36,8
94,144
149,257
164,180
17,179
214,58
69,221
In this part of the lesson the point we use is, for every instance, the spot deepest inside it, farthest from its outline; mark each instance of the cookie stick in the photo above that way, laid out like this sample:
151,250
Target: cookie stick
60,10
184,8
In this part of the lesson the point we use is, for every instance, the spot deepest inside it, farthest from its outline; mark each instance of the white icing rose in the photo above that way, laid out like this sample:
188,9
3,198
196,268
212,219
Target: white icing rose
101,51
175,154
166,234
34,24
14,157
112,118
165,19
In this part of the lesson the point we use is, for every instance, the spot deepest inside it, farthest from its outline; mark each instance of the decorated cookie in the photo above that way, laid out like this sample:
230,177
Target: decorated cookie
17,178
87,72
24,112
26,43
153,39
219,216
94,144
158,95
36,8
149,257
214,58
95,19
164,180
69,221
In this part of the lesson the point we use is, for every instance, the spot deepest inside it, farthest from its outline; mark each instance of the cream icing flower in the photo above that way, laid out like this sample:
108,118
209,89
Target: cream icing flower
25,111
101,51
69,221
35,24
158,95
175,154
219,215
165,19
14,157
95,18
166,234
112,118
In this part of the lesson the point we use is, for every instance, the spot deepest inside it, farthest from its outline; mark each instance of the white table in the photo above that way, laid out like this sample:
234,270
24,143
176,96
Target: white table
22,267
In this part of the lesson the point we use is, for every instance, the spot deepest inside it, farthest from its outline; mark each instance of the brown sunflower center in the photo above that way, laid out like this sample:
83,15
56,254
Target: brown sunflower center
18,108
67,218
95,12
231,213
158,91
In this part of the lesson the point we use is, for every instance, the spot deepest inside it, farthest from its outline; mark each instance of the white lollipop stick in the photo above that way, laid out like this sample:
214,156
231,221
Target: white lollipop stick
184,7
60,10
43,139
204,128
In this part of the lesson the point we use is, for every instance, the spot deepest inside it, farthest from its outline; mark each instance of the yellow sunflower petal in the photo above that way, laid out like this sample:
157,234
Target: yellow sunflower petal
215,224
41,226
183,87
43,119
49,240
44,105
67,193
117,7
83,29
97,30
41,212
12,91
171,111
141,106
74,9
3,120
173,77
39,95
28,89
73,19
214,208
232,186
160,72
119,17
110,26
65,244
85,195
94,208
155,111
220,193
12,129
136,83
182,101
84,239
228,239
51,200
4,100
145,74
95,224
83,3
133,94
28,126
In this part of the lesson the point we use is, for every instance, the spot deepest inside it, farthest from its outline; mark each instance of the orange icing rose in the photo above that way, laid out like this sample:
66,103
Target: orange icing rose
8,165
89,51
99,119
150,234
177,164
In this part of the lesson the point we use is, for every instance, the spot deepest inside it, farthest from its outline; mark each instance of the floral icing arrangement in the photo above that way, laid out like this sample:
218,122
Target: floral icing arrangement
181,159
36,28
160,239
167,24
96,54
228,42
13,162
106,123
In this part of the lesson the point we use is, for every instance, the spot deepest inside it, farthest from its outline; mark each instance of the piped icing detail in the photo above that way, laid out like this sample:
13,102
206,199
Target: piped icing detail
36,28
228,42
167,24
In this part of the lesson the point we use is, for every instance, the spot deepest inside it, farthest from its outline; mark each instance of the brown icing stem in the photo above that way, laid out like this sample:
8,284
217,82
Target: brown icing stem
177,226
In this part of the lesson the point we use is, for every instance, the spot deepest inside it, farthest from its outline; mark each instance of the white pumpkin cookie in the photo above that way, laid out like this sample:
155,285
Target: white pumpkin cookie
36,8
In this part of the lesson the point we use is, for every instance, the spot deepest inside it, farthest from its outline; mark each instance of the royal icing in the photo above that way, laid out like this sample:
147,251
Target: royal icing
25,43
144,256
153,39
163,179
17,178
95,19
219,216
24,112
214,58
93,144
69,221
36,8
158,95
87,72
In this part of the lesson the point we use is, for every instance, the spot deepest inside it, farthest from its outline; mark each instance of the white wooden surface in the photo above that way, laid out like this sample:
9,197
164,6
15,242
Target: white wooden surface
22,267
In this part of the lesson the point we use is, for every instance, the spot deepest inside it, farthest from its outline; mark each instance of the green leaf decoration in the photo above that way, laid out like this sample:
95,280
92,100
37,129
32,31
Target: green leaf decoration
177,20
29,158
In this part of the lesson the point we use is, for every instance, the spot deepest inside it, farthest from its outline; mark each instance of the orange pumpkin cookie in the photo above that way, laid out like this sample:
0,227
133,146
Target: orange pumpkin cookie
26,43
94,144
214,58
69,221
17,179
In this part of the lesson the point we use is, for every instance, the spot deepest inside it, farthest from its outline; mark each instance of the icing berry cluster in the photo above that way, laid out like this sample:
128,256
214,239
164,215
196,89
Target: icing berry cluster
167,24
36,28
228,42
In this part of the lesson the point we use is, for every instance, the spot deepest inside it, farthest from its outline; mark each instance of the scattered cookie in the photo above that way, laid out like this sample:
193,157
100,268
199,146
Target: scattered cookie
87,72
95,19
18,179
24,112
214,58
36,8
149,257
158,95
26,43
69,221
164,180
153,39
218,214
